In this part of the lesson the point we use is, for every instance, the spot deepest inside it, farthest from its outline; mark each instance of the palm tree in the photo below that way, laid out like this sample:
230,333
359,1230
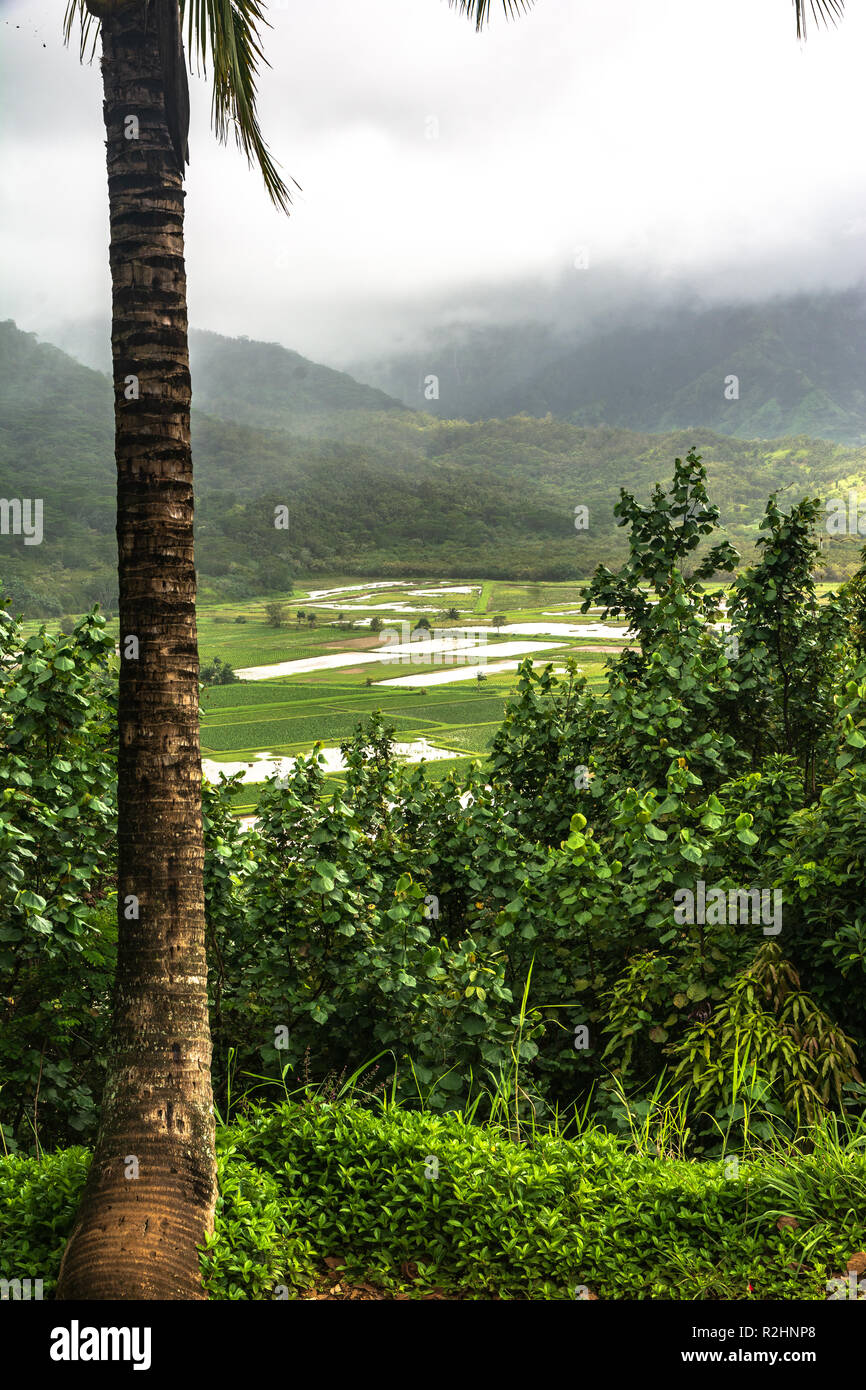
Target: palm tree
150,1196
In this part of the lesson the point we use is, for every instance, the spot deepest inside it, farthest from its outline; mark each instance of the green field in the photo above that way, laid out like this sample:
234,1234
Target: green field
286,714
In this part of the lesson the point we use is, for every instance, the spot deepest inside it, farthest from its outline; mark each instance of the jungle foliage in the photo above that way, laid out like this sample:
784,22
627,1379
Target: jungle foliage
517,927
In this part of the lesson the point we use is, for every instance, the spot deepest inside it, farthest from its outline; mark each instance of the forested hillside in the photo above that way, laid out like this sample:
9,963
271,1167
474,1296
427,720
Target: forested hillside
799,364
391,492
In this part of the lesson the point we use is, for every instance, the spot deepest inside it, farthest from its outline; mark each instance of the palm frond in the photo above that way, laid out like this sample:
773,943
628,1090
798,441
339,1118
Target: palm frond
89,26
479,10
828,11
225,35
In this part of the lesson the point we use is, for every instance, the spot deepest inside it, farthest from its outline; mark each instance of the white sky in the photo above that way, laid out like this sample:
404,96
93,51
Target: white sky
681,142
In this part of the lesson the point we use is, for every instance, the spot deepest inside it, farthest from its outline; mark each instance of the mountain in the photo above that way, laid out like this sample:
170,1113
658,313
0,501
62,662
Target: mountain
799,364
57,445
391,492
264,385
270,387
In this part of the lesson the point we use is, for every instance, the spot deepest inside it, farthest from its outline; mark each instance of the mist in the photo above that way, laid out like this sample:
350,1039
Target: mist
585,162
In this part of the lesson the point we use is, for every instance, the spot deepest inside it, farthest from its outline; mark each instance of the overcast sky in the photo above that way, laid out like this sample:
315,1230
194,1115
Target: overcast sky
678,142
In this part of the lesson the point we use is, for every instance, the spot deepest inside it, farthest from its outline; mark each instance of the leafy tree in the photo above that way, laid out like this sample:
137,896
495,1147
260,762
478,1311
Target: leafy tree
662,538
276,613
218,672
789,647
822,868
57,937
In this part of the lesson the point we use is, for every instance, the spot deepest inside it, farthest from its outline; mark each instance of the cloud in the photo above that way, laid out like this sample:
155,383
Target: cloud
680,145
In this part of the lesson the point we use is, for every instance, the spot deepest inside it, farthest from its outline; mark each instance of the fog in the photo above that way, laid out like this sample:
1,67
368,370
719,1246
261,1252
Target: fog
587,157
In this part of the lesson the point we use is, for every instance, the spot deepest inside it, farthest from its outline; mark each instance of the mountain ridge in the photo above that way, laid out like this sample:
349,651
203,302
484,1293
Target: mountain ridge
799,361
380,493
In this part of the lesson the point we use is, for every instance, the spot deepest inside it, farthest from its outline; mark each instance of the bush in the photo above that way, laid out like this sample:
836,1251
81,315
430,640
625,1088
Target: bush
413,1200
57,908
218,672
255,1251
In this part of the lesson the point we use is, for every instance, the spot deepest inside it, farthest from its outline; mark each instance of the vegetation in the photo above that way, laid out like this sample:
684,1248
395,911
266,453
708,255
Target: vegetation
503,951
591,1216
217,672
397,493
278,614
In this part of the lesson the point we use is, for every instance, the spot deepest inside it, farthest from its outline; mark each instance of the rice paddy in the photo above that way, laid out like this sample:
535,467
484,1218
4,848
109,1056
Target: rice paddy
316,678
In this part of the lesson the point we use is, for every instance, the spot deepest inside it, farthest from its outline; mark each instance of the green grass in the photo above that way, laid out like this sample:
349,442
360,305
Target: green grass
242,693
475,709
482,602
476,740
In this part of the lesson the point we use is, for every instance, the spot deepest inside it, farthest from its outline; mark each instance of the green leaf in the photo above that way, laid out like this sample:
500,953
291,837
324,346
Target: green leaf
28,899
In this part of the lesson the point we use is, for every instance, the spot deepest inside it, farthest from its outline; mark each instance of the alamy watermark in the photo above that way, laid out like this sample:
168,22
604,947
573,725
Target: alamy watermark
21,1289
846,518
77,1343
438,646
846,1286
22,516
737,907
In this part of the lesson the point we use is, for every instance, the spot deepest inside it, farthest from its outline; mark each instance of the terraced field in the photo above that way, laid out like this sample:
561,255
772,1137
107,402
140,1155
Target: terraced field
285,714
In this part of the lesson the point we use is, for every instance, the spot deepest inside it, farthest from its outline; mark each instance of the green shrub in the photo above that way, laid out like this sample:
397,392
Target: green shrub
38,1201
481,1215
255,1251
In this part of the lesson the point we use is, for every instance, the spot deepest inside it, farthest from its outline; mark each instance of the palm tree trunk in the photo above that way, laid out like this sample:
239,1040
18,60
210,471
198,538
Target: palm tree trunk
150,1197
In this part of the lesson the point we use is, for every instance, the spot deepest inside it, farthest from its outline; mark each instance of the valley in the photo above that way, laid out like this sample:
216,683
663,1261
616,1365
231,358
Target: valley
445,702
